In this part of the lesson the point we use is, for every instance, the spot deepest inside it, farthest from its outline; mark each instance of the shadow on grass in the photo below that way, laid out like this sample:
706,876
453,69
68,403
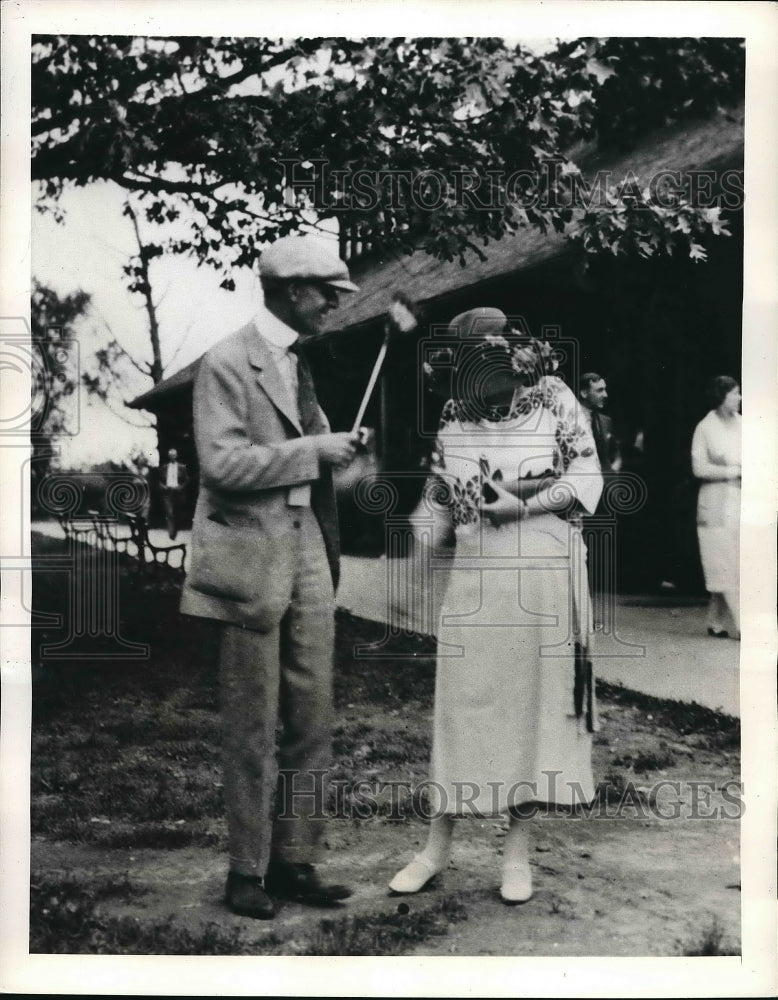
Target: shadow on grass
66,918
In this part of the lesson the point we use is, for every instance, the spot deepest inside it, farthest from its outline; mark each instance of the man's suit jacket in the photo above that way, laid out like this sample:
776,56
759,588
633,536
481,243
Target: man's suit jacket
606,441
252,448
609,454
183,475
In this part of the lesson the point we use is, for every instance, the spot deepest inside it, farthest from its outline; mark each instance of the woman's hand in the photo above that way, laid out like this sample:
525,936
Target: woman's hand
529,486
505,509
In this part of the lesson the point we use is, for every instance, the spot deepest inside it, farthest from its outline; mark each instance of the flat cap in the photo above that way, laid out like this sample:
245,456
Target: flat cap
305,258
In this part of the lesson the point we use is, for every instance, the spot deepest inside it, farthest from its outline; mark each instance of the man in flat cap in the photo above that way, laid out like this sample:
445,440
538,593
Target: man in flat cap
265,565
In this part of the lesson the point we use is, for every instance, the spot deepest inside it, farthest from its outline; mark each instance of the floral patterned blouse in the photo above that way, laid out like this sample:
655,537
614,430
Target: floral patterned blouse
542,435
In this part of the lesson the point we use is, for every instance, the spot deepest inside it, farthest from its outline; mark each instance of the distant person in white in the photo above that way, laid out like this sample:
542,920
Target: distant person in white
173,482
716,461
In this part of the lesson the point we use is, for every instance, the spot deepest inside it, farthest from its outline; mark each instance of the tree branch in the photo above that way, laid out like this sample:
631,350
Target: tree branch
143,369
143,182
122,417
212,85
180,344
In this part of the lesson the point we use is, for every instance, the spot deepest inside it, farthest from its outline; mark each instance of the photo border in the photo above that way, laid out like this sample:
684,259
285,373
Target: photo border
754,974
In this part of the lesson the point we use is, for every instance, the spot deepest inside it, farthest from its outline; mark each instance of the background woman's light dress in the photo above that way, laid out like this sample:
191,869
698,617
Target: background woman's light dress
718,443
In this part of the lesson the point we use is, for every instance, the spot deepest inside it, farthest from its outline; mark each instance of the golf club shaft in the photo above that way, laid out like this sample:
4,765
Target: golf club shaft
371,384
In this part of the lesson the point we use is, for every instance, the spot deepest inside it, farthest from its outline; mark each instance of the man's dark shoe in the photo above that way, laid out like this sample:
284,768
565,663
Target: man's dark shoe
246,897
301,883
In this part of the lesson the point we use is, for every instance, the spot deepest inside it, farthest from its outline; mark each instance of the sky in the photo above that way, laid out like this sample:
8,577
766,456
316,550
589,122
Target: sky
87,251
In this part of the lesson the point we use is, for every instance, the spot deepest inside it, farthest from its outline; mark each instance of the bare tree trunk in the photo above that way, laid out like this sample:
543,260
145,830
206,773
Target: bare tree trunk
165,439
145,290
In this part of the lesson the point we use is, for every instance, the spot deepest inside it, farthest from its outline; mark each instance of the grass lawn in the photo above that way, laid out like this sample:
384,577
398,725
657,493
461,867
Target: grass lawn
127,807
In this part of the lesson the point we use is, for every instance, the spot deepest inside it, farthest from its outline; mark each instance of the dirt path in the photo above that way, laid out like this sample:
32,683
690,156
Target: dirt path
604,886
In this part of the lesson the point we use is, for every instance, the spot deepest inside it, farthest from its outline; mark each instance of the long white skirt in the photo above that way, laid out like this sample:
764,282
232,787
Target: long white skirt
505,726
718,531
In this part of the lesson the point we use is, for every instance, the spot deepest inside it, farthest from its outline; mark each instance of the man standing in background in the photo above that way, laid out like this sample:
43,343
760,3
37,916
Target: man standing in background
599,530
173,482
265,564
593,393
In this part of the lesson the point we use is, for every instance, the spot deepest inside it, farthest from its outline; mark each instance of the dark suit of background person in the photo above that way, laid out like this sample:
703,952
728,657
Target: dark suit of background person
601,562
265,558
173,483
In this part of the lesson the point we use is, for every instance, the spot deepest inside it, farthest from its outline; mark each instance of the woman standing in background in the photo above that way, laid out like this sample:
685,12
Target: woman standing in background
716,461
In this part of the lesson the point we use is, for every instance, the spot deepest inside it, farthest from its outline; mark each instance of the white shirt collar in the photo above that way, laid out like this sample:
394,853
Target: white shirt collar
274,330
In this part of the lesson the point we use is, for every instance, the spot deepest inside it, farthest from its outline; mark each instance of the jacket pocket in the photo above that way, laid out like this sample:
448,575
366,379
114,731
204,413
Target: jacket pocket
241,565
219,567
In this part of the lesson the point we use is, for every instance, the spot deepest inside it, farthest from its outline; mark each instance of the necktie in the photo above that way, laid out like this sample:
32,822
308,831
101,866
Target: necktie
306,396
300,496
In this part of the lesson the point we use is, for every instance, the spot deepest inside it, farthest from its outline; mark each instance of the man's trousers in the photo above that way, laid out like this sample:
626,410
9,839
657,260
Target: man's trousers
172,505
283,676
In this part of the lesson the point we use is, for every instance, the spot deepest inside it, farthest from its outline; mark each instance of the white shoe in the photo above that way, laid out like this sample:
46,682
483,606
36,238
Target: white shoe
516,883
414,876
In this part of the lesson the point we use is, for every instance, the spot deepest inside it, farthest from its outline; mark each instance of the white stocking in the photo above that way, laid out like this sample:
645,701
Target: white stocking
732,600
716,610
516,872
438,847
516,850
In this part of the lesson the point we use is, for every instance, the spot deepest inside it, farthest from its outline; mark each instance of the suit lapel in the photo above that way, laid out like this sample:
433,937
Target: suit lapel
268,376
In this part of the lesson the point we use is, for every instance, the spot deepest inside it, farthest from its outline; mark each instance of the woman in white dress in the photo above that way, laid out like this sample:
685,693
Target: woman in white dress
716,461
513,466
